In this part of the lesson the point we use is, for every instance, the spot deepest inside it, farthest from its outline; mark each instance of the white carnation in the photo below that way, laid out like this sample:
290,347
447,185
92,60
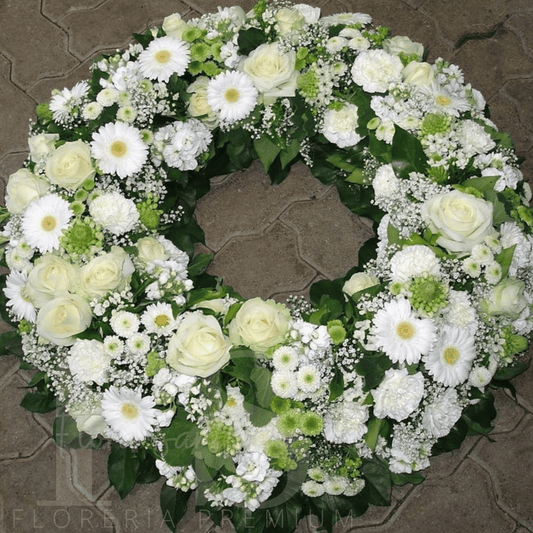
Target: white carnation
114,212
339,126
440,416
385,184
414,261
375,70
475,139
345,422
89,362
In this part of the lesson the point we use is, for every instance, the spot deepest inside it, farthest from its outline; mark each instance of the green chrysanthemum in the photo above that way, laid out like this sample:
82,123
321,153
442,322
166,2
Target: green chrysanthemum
336,331
154,364
428,295
312,424
82,237
221,439
289,423
435,123
280,405
200,51
149,214
307,84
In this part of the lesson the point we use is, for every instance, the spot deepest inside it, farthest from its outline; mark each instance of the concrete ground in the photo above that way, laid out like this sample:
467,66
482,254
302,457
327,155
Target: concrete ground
269,241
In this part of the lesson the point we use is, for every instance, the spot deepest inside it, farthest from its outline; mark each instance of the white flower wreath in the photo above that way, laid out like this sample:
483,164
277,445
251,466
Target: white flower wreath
344,396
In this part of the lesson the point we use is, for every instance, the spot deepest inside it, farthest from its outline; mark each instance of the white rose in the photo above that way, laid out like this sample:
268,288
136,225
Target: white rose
440,416
375,70
50,275
174,25
339,126
42,145
198,348
398,395
89,362
114,212
358,282
260,324
419,74
198,106
22,188
309,13
289,20
272,72
151,249
506,298
106,273
70,165
461,219
89,419
62,318
401,44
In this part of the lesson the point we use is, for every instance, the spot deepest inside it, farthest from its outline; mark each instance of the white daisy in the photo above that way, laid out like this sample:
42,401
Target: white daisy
119,149
124,323
231,95
450,360
44,221
17,300
128,413
285,358
64,101
163,57
402,336
159,319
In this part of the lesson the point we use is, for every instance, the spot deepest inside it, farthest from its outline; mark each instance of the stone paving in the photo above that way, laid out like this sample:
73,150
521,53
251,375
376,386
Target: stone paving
270,242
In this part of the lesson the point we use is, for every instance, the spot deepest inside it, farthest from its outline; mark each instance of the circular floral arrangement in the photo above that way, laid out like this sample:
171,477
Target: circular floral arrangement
304,408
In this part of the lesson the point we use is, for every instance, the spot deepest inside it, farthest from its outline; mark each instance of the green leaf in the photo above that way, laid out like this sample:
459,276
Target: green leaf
505,258
373,366
250,39
287,155
510,372
261,378
122,469
267,151
148,471
378,482
42,401
199,264
482,184
173,504
336,386
376,427
407,153
10,343
243,363
178,439
414,478
330,510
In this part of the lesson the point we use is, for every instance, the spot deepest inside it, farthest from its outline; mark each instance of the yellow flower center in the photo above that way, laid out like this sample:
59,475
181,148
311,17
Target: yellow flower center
451,355
405,330
119,148
163,56
231,402
48,223
161,321
129,411
443,100
231,95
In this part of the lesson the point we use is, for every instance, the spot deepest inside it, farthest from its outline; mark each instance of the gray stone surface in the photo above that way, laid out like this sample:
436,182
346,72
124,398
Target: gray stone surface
264,244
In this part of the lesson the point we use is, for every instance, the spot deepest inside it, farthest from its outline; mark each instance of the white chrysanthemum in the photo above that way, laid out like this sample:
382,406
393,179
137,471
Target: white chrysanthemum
285,358
335,485
114,212
511,235
480,377
348,19
163,57
16,299
385,184
312,488
308,379
113,345
124,323
398,395
375,70
459,311
158,318
231,95
138,344
119,149
413,262
450,360
89,362
107,97
92,111
128,413
44,221
284,384
442,414
339,126
402,336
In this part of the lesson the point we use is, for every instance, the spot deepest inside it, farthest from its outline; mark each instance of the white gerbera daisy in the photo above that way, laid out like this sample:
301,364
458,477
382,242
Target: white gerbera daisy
402,336
44,221
285,358
64,101
128,413
124,323
444,101
119,149
348,19
159,319
17,300
163,57
450,360
231,95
